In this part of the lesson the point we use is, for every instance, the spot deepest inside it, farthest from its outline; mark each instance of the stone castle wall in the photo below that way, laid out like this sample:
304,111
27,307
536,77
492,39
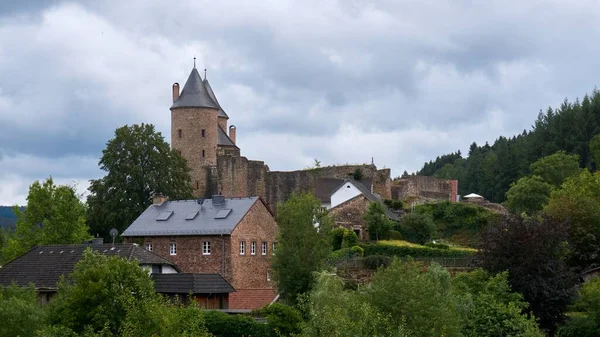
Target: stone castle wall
240,177
424,187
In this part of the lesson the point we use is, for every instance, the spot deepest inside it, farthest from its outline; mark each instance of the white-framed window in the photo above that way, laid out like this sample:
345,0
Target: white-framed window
242,247
264,248
206,248
253,248
149,246
172,248
274,248
268,275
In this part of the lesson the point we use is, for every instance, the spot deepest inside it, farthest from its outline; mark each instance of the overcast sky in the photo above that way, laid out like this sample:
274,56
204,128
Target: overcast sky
342,81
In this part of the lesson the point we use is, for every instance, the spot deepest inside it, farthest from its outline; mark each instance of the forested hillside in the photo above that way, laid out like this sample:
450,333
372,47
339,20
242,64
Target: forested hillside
490,169
7,217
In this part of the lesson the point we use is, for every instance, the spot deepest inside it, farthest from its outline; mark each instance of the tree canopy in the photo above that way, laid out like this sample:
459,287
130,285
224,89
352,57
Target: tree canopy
303,244
534,252
378,222
578,201
54,215
137,162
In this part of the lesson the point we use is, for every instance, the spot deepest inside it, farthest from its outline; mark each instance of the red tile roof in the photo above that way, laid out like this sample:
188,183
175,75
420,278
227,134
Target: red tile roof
251,298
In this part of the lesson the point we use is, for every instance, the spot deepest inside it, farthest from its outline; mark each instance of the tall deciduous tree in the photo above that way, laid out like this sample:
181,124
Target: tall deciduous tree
137,162
54,215
554,169
303,244
528,195
578,200
378,222
533,251
107,294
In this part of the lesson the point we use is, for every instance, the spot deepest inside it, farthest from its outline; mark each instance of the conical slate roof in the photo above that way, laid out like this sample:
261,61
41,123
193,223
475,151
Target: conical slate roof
211,93
194,94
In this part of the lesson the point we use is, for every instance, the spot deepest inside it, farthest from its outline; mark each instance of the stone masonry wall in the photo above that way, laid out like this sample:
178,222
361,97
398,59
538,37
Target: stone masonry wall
250,271
350,215
280,185
189,123
423,187
189,257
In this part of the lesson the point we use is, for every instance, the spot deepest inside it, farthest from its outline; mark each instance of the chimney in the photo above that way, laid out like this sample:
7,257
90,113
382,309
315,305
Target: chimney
218,200
158,199
232,133
175,91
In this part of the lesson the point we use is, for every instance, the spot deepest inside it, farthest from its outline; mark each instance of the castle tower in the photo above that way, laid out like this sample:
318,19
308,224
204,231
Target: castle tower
195,131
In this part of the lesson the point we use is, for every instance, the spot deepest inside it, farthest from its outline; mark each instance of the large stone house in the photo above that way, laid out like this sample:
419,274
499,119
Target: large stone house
232,237
348,201
44,265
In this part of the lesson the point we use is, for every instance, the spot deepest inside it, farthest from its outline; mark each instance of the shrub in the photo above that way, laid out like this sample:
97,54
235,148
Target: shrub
350,239
282,319
394,204
337,237
389,250
357,251
417,227
375,261
357,175
223,325
395,235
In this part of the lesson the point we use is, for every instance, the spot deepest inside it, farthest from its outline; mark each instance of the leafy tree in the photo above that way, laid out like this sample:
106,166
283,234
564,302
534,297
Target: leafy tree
333,311
303,244
378,222
587,323
106,294
595,150
54,215
490,308
137,162
282,319
20,311
533,251
528,195
422,301
578,201
554,169
417,227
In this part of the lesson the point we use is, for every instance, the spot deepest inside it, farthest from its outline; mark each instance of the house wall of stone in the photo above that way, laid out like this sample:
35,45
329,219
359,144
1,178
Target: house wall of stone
350,215
250,271
189,257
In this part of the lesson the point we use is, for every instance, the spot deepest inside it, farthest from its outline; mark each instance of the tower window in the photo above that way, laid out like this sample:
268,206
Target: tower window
202,153
203,133
178,133
197,184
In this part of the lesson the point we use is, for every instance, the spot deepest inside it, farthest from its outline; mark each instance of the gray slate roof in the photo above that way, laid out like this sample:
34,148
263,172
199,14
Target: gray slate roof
326,187
211,93
224,139
191,283
202,223
43,265
194,94
370,196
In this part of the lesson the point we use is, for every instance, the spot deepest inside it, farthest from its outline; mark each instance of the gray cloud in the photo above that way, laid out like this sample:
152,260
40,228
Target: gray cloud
342,81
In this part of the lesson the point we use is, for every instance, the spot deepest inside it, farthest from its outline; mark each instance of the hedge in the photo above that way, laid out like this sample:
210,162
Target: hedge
220,324
389,250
